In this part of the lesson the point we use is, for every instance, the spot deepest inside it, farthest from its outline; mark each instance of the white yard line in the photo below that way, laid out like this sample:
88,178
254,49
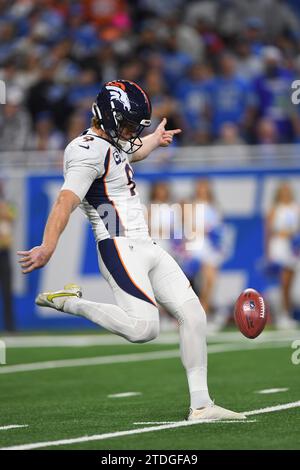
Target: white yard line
13,426
77,340
212,421
119,358
267,391
130,432
271,409
124,395
140,423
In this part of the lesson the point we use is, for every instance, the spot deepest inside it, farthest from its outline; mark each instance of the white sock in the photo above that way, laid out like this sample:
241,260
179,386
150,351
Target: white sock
197,378
192,330
112,318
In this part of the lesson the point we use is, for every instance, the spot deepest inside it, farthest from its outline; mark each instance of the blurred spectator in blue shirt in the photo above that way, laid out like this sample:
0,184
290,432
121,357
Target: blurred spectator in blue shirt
254,33
175,62
276,16
84,37
249,65
267,138
188,38
159,8
8,40
83,93
163,104
76,123
58,52
149,38
210,37
231,97
14,122
66,70
48,95
192,94
132,70
273,92
45,136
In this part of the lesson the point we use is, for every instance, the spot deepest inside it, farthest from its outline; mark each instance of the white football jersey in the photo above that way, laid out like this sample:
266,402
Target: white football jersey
101,176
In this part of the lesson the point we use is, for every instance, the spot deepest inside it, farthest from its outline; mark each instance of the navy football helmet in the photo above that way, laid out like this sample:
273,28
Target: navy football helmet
123,106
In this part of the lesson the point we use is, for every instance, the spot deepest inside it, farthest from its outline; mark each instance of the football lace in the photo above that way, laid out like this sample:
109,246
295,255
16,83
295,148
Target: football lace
262,306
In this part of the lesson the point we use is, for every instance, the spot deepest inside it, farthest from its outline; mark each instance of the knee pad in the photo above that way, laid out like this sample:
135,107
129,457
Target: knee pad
144,331
192,313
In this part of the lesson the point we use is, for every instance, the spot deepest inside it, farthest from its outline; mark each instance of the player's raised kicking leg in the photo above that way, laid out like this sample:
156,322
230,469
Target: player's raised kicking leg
136,316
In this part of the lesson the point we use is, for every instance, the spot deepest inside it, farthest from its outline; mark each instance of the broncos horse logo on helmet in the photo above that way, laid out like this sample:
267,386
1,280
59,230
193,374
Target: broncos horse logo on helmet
119,95
122,104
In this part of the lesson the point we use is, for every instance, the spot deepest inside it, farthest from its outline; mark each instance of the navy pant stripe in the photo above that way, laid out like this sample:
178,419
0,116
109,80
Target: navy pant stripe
113,263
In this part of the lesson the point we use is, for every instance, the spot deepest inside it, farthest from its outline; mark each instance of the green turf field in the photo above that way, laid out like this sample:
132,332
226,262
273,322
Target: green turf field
63,393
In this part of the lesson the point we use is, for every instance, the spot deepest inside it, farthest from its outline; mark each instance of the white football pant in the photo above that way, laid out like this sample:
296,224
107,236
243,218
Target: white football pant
141,274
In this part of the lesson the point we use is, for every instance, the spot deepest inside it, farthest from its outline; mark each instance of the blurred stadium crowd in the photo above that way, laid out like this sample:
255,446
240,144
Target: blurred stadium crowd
221,70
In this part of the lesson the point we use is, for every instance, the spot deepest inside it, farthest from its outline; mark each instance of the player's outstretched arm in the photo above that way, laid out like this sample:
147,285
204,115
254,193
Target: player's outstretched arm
159,138
58,218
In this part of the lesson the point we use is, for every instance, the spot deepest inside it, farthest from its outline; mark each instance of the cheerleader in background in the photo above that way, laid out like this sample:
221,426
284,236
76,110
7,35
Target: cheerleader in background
282,229
208,246
161,225
160,215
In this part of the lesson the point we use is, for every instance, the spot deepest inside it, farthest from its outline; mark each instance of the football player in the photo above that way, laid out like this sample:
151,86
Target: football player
99,178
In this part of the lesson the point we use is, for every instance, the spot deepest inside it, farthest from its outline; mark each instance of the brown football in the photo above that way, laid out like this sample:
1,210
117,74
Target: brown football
250,313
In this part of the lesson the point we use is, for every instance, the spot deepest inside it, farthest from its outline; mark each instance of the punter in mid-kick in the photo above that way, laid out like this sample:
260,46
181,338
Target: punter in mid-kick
99,179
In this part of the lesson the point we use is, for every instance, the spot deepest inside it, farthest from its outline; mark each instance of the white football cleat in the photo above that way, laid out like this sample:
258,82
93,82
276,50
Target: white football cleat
45,299
213,412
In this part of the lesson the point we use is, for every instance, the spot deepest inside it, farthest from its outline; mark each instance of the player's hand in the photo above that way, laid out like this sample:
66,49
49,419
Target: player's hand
165,137
33,259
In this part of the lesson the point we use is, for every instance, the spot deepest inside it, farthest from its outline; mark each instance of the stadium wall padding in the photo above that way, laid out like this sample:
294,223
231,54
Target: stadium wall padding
243,194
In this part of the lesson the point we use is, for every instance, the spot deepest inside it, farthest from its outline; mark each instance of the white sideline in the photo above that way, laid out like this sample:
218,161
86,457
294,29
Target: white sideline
119,358
13,426
77,340
102,437
89,361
